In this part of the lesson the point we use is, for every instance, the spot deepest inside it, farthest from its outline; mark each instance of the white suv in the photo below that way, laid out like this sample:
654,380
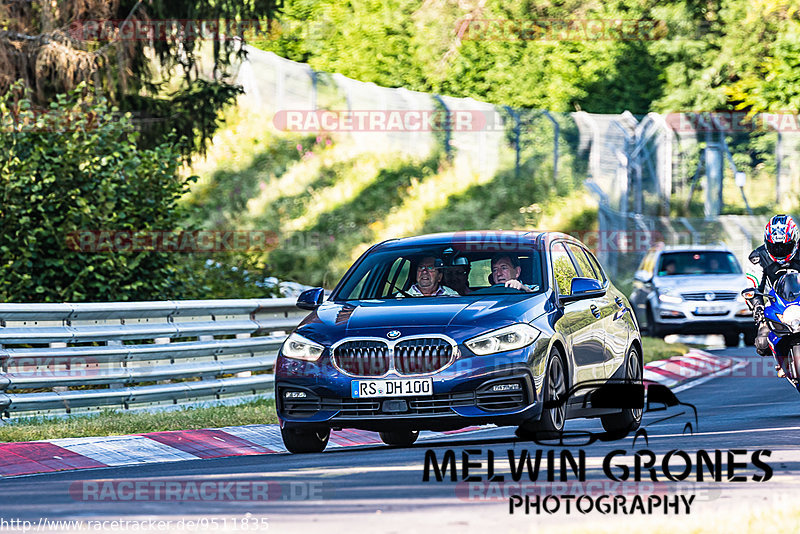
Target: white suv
692,289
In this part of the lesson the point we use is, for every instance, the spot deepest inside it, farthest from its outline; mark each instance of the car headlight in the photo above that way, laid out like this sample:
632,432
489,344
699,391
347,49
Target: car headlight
300,348
791,317
511,337
669,296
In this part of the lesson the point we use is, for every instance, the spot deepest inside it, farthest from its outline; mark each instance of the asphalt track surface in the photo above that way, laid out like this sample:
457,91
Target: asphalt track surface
380,489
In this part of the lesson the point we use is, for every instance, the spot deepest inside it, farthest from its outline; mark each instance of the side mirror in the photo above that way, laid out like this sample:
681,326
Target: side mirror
583,288
643,276
310,299
752,292
585,285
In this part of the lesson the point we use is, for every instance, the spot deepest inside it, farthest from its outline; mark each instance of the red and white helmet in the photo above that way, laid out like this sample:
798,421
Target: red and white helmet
781,238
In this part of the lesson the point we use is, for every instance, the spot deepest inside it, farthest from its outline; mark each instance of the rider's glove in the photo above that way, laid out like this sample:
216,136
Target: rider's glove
758,314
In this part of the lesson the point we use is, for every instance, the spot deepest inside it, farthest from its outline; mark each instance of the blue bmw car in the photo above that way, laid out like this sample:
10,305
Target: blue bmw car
444,331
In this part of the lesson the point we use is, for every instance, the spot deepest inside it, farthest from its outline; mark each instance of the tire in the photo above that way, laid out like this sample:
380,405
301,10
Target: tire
732,340
652,329
551,423
299,441
750,338
400,438
618,425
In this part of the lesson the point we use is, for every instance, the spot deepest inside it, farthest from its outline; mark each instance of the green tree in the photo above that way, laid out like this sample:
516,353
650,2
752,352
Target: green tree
77,168
174,81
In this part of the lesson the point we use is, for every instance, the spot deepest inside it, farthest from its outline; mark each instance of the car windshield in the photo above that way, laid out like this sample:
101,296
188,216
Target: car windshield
698,262
440,271
788,287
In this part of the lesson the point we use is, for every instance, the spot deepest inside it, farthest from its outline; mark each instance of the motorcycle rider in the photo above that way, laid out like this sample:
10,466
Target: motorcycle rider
777,256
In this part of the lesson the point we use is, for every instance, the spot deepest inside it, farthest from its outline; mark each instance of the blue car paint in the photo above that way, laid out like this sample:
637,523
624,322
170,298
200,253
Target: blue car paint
459,318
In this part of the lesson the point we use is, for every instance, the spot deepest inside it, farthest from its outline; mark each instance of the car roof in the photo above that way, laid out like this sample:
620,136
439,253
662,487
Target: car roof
515,237
719,247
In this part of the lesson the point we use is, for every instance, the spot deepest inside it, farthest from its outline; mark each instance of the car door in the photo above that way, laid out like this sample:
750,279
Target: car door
617,320
605,306
643,286
580,324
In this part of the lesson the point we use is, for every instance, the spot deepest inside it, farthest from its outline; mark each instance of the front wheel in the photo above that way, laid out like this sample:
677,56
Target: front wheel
618,425
732,339
750,338
400,439
299,441
651,329
551,423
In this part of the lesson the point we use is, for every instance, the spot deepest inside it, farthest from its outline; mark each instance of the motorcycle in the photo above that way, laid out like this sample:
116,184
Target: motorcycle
782,314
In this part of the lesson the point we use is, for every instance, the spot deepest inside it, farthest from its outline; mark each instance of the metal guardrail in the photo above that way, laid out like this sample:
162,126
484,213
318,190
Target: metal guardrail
65,358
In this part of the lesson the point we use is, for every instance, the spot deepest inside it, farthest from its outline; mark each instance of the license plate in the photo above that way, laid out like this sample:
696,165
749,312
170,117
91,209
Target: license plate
398,387
711,310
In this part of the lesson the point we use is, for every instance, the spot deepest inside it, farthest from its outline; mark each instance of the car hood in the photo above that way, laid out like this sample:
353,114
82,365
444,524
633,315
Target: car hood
702,282
335,320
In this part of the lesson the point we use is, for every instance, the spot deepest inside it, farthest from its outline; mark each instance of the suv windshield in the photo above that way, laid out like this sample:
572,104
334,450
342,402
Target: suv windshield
698,262
439,271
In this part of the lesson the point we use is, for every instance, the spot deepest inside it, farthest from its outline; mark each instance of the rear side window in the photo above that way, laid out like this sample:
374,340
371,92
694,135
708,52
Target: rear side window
587,270
563,268
596,264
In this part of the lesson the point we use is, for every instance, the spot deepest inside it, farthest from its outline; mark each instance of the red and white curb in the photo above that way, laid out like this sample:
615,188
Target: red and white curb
693,365
25,458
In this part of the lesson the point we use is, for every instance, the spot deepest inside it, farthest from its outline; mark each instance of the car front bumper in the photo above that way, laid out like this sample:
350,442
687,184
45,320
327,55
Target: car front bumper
455,403
692,317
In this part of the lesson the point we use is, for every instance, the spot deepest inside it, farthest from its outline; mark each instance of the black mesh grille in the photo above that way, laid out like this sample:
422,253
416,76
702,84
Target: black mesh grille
434,405
488,400
718,295
424,355
362,358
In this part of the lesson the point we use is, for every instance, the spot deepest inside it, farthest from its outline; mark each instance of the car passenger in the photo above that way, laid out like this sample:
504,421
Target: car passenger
429,277
506,270
670,267
457,277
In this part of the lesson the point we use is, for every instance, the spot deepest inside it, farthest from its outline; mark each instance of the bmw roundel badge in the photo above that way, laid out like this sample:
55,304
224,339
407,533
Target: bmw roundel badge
393,334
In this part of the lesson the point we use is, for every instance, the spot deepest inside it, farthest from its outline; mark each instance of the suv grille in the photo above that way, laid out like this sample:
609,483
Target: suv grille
424,355
718,295
363,358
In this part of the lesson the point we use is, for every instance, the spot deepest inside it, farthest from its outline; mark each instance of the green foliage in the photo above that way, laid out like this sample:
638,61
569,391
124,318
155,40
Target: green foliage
60,177
320,253
655,349
174,79
702,56
117,422
75,169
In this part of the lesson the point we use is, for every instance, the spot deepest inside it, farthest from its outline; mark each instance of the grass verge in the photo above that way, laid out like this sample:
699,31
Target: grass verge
113,423
657,349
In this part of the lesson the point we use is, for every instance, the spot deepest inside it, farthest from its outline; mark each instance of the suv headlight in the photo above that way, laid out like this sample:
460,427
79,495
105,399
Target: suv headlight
669,296
300,348
503,339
